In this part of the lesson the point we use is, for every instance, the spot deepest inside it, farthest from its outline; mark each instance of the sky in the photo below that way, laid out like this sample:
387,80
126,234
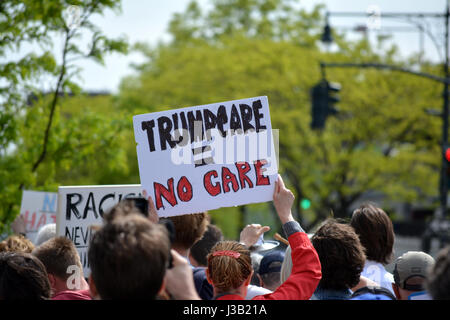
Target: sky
147,21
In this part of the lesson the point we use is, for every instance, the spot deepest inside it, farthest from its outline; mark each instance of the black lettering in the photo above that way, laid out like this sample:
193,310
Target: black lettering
148,126
221,119
72,205
256,106
164,128
90,206
195,125
67,233
183,133
210,122
246,115
235,121
76,236
100,206
202,161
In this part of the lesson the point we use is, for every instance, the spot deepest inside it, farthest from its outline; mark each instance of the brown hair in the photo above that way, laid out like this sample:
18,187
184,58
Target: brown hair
340,253
57,254
202,247
375,231
438,280
189,228
16,243
227,272
122,208
23,277
128,258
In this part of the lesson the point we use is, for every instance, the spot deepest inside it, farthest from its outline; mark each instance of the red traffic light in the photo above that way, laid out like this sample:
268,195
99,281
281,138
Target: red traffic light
447,154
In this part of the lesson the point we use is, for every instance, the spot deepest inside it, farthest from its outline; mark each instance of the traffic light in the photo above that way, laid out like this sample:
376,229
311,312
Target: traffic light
323,96
305,204
447,160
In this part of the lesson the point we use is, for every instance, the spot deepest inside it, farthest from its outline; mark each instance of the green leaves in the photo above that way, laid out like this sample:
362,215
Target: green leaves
36,143
381,142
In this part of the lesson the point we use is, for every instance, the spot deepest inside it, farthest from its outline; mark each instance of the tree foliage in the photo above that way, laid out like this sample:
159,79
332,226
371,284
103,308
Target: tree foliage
382,141
36,140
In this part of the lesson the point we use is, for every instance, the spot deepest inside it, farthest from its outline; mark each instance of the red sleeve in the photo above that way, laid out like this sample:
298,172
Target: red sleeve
305,275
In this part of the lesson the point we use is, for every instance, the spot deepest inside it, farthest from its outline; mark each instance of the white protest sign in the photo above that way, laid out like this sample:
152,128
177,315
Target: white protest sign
80,207
206,157
38,208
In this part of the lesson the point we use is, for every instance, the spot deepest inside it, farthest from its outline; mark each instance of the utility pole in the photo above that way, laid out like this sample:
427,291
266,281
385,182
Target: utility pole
439,226
444,179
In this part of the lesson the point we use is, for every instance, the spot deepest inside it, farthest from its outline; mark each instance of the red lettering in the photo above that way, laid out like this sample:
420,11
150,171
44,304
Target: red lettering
243,168
184,189
227,177
168,194
29,222
213,190
261,180
42,221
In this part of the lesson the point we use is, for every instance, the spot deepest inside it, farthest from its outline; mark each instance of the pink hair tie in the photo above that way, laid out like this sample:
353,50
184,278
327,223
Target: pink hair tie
228,253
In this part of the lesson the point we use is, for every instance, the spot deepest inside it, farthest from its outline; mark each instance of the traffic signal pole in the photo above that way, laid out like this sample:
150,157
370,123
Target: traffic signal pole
444,178
439,226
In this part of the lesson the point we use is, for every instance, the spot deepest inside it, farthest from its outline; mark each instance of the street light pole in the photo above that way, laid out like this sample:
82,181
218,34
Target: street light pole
444,179
439,226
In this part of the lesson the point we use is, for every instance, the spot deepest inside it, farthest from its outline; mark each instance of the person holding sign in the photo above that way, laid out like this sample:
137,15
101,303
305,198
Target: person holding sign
230,268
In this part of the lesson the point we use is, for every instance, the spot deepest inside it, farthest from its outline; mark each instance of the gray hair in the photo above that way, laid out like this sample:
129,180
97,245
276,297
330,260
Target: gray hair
45,233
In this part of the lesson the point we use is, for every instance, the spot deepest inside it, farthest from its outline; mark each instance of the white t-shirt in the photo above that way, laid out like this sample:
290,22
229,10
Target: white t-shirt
253,291
375,271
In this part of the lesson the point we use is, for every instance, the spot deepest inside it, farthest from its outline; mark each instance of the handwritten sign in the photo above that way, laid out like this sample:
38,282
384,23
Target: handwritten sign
80,207
206,157
38,208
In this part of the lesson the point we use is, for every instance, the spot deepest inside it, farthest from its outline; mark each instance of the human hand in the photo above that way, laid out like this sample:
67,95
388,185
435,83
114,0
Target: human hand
152,213
18,225
251,233
179,279
283,199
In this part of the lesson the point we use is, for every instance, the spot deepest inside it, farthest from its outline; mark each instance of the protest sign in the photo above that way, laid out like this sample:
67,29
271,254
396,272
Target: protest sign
80,207
206,157
38,208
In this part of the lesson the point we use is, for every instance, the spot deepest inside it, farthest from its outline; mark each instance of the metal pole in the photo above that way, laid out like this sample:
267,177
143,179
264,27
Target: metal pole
444,180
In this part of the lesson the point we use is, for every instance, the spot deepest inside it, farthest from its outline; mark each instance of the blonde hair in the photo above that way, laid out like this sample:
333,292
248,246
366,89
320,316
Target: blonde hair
16,243
227,272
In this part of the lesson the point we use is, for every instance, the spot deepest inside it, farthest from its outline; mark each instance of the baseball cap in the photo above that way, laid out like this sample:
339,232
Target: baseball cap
409,265
271,262
372,293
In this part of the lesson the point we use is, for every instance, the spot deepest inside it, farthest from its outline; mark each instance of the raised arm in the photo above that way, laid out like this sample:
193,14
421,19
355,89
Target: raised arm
306,271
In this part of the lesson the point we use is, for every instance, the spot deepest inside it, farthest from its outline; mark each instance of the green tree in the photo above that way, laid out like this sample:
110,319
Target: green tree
34,137
381,142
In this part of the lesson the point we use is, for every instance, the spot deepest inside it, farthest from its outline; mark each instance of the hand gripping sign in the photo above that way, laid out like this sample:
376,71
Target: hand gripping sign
206,157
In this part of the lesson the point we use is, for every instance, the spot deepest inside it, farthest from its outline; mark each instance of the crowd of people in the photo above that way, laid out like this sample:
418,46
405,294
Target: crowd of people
136,255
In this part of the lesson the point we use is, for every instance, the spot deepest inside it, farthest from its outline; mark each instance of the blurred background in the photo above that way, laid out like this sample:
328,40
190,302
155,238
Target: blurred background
369,124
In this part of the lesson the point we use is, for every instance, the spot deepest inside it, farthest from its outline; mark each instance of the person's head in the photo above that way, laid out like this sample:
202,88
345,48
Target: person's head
375,231
410,272
16,243
229,267
341,255
23,277
121,209
438,280
189,228
46,232
62,261
199,251
128,258
270,268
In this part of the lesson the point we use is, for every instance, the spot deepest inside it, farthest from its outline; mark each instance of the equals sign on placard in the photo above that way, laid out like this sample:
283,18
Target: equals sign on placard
202,156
